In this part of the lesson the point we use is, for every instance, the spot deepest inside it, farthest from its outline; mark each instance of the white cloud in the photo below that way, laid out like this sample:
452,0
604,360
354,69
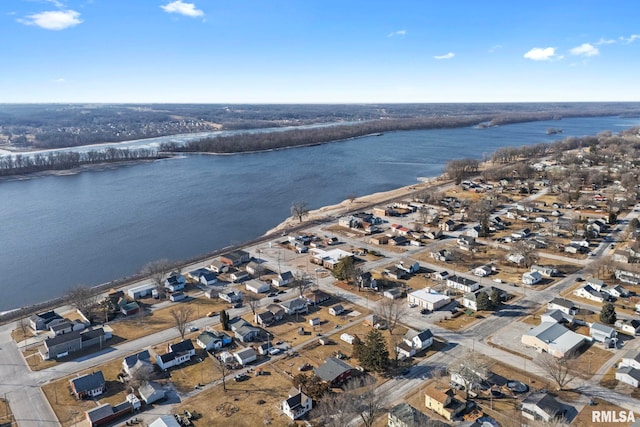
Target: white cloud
631,38
186,9
541,54
53,20
495,48
60,80
585,49
445,56
399,33
604,41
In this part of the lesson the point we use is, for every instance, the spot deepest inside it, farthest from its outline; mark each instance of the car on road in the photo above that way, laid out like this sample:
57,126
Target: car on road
424,311
241,377
272,294
276,300
212,313
193,329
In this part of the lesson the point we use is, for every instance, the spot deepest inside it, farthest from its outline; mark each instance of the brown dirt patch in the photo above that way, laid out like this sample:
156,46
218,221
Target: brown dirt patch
584,417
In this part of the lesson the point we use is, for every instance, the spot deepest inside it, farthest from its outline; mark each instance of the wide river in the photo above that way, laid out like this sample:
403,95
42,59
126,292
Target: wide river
101,225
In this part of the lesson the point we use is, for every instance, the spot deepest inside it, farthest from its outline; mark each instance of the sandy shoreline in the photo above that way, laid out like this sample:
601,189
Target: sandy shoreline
361,202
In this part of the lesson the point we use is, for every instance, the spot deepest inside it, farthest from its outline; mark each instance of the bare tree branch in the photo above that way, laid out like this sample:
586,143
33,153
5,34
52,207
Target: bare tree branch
181,316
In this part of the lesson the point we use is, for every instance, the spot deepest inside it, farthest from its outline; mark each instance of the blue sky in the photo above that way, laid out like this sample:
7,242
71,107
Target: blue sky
319,51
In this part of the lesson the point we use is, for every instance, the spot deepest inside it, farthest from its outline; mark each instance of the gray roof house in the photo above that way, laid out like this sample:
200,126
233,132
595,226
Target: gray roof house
553,338
629,375
334,371
542,406
296,305
405,415
564,305
151,392
601,333
88,385
243,330
42,321
130,361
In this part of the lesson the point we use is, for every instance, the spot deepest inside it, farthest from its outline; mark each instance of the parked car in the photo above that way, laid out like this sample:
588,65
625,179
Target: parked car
193,329
276,300
212,313
241,377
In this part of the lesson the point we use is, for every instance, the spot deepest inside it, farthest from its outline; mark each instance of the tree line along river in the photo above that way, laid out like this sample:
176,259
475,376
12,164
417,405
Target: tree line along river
100,225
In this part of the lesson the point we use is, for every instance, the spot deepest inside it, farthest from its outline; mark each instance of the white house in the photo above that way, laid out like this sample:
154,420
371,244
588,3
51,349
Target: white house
336,310
175,282
245,356
462,283
239,276
428,298
482,271
628,326
414,341
601,333
617,291
140,291
218,266
257,286
590,293
208,278
629,375
545,270
564,305
231,297
409,266
531,278
541,406
297,404
631,359
211,340
557,316
283,279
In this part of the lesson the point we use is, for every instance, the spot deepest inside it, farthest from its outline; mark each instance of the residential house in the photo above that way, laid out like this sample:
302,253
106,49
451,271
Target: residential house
556,316
151,391
470,299
296,305
106,413
629,376
253,268
62,345
628,326
208,278
428,298
217,266
521,234
395,273
130,361
66,327
542,406
405,415
590,293
43,321
141,291
515,258
130,308
482,271
239,276
596,284
175,282
622,256
601,333
409,266
336,310
88,385
393,293
553,338
283,279
177,296
235,258
475,232
277,311
531,278
317,297
380,239
631,359
617,291
443,402
398,241
213,340
231,297
564,305
334,371
264,319
257,286
245,356
432,233
628,276
414,342
165,421
546,271
462,283
177,354
448,225
442,255
441,275
466,243
297,404
243,330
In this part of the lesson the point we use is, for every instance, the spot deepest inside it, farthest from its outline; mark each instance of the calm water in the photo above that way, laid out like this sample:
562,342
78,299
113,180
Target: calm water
97,226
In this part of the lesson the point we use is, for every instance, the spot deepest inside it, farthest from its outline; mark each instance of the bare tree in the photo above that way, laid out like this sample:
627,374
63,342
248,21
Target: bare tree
252,301
157,272
301,282
528,252
181,317
223,371
367,404
23,323
299,210
392,310
84,299
335,409
560,369
140,375
470,370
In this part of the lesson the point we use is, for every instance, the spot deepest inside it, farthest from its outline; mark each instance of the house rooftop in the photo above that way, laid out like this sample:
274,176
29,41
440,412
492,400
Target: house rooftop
131,360
544,401
332,369
88,382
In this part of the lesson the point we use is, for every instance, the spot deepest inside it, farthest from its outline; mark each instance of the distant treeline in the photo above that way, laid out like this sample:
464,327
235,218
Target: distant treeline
262,141
19,164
